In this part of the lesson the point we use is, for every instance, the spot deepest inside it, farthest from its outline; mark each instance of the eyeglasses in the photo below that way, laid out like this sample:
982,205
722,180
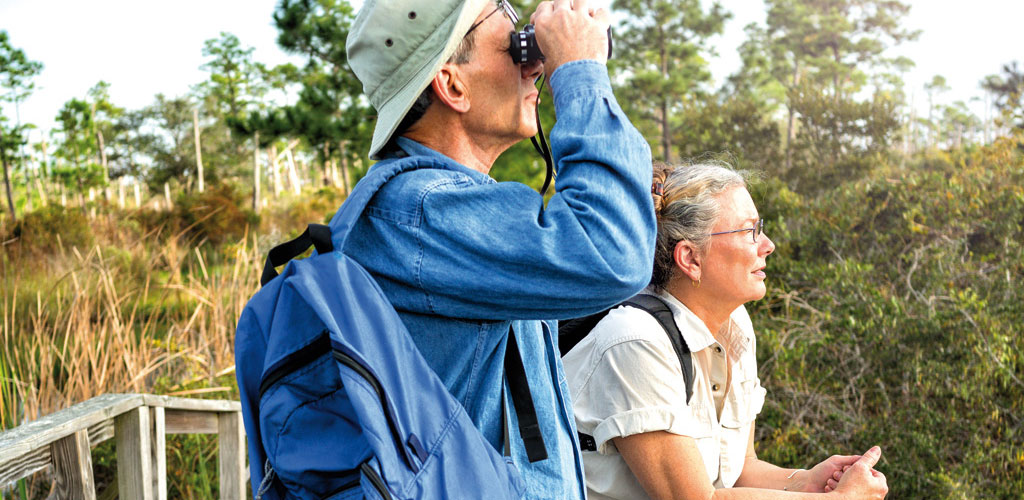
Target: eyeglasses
502,5
755,231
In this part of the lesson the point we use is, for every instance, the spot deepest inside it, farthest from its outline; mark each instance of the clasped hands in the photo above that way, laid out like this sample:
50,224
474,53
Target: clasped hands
852,475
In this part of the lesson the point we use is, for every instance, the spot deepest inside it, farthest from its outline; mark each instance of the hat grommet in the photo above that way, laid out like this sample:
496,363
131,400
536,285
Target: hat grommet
412,15
389,42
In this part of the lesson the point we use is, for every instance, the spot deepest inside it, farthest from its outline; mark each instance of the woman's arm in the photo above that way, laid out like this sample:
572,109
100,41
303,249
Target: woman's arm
760,474
669,467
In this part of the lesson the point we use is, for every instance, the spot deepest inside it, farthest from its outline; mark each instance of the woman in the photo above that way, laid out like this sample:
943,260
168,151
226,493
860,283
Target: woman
626,381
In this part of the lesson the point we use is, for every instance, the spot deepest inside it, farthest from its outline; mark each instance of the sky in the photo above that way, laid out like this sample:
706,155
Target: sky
143,48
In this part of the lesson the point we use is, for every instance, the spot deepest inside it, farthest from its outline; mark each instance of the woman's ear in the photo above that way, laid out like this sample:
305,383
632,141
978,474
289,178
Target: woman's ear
687,260
450,89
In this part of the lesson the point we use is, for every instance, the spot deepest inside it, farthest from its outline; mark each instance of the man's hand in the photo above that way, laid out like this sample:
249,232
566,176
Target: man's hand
861,481
569,30
817,479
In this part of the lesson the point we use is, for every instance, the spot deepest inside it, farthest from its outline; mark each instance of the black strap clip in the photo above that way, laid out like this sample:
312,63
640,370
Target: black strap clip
317,235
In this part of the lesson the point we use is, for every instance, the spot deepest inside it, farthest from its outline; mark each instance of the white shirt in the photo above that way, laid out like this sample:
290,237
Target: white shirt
625,379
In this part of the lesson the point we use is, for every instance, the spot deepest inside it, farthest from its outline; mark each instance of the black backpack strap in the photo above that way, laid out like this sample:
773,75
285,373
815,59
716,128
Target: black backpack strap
317,235
656,307
519,386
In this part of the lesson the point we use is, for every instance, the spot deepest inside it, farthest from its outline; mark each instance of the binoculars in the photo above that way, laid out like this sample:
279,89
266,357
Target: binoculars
524,48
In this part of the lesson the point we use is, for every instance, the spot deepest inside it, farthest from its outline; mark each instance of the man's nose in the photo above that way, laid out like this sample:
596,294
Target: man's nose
532,69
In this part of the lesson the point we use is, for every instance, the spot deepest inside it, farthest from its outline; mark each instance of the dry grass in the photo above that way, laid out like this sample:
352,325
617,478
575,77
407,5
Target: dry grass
136,317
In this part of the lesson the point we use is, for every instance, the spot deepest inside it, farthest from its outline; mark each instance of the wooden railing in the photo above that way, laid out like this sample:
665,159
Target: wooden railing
139,423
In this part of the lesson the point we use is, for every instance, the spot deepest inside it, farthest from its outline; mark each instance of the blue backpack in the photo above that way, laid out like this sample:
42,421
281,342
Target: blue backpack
337,400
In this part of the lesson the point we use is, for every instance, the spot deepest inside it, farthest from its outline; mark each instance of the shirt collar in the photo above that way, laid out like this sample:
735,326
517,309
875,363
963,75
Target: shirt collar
413,148
696,333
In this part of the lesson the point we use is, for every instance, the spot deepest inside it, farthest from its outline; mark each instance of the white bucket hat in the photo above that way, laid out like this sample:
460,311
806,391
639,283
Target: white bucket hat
396,47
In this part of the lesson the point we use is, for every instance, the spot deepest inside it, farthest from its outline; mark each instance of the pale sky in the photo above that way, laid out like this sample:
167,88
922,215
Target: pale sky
143,47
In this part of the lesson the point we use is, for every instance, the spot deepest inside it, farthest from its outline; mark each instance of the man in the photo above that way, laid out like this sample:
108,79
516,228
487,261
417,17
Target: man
465,259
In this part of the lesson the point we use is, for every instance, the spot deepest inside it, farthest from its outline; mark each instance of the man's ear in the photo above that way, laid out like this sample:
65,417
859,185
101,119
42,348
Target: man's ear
687,260
450,89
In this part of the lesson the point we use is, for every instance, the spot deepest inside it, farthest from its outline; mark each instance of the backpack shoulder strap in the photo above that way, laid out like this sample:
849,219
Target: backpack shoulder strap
656,307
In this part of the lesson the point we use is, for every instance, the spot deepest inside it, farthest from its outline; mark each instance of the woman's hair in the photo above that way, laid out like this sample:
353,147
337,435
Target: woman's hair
686,208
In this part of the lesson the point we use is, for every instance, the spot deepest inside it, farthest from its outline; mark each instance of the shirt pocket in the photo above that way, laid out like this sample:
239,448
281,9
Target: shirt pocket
744,408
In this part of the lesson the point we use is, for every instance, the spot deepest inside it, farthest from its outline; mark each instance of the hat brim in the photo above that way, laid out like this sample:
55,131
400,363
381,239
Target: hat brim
392,111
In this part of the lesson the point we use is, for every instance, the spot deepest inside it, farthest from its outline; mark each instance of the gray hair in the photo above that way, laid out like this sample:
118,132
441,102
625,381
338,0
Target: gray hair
687,209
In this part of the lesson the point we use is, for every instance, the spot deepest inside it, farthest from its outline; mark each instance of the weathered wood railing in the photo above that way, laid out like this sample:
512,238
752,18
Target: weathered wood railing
139,423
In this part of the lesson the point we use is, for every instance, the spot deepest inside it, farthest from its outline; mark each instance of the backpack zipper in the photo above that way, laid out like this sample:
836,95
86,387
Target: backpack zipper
365,373
296,360
376,481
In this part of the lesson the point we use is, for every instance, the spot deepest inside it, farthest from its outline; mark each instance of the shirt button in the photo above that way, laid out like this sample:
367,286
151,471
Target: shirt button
714,387
718,349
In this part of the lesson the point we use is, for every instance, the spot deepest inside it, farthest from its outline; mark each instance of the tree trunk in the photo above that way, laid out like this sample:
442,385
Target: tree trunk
199,151
275,170
790,121
327,165
344,169
256,173
293,176
103,157
666,129
7,179
42,194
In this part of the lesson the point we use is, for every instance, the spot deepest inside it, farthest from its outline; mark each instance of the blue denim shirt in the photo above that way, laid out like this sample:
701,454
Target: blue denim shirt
462,257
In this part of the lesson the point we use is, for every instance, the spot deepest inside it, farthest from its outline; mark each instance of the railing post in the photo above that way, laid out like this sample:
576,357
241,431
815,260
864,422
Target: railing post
231,455
159,453
134,464
72,467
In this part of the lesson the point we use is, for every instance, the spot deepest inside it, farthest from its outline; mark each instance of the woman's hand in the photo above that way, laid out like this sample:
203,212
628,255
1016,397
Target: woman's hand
861,481
817,479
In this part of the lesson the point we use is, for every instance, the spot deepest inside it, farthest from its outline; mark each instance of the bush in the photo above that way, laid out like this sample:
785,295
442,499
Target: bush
894,320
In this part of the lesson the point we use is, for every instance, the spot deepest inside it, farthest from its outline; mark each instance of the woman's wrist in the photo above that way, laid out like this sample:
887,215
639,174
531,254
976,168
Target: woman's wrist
789,480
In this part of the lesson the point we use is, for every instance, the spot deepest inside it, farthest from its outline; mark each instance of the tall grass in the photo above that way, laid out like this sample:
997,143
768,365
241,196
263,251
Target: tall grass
136,311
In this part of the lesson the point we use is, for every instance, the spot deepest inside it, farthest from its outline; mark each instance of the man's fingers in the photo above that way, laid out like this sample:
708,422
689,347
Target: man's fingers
542,9
581,5
871,457
561,4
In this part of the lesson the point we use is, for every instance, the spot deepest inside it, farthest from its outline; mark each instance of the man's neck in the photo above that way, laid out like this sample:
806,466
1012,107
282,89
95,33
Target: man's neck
452,139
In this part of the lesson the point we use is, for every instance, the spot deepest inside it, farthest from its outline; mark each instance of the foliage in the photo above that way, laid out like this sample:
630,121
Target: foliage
331,114
893,319
1009,91
662,65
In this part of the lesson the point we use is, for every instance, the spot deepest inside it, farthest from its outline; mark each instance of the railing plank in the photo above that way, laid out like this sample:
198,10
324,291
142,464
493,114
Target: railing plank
173,403
101,432
134,459
190,422
72,467
24,465
231,456
39,433
159,453
140,422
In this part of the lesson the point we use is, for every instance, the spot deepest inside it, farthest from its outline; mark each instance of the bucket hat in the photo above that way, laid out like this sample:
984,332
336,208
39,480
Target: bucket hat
395,47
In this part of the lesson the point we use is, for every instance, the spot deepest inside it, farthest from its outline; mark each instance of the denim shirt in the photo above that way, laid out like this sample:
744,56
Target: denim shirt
463,257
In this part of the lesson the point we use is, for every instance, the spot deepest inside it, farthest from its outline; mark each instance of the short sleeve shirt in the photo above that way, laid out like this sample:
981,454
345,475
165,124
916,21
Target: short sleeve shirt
625,379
